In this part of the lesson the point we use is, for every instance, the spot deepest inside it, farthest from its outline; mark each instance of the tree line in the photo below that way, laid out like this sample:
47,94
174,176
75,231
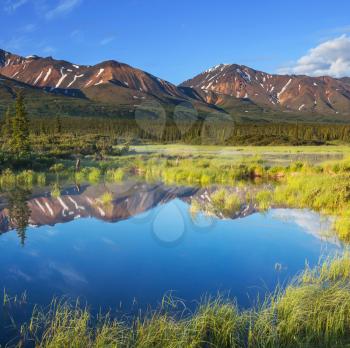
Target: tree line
225,133
17,130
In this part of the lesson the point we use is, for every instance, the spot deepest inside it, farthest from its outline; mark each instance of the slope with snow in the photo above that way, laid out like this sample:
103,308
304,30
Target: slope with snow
322,95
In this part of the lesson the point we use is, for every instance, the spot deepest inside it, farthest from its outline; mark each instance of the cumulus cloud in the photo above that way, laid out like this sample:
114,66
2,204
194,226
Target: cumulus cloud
330,58
63,7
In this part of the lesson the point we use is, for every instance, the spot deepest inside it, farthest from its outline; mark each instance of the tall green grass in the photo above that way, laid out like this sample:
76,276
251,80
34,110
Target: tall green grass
313,311
324,188
328,194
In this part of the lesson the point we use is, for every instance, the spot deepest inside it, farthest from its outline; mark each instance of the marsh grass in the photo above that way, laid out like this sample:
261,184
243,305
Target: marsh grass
94,175
106,198
264,199
225,202
222,203
327,194
313,311
116,175
26,178
56,191
322,187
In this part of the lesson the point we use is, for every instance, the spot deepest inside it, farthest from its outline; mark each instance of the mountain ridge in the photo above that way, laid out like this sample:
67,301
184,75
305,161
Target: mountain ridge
231,90
49,72
296,93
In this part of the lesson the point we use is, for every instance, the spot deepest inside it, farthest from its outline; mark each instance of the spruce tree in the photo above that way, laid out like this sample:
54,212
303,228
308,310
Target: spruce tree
7,130
20,136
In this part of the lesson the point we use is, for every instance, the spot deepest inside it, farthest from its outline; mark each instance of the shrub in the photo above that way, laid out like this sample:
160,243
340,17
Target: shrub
94,175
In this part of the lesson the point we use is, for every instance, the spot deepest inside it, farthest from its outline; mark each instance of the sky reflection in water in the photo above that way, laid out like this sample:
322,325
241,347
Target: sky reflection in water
138,260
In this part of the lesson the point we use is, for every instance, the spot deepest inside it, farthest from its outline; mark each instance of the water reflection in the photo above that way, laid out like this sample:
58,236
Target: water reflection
117,202
142,242
124,200
18,212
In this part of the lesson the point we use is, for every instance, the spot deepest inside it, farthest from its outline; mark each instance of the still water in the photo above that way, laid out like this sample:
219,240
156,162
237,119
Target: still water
130,252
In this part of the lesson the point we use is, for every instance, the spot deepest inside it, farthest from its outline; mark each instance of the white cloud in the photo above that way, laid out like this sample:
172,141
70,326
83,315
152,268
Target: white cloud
310,222
13,5
330,58
63,7
107,40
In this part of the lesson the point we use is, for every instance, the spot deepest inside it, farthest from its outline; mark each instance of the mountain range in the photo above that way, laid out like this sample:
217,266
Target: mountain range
114,89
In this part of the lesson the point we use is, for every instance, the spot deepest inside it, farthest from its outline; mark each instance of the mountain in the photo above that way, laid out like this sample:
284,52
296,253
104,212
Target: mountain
60,74
41,102
106,89
284,93
114,89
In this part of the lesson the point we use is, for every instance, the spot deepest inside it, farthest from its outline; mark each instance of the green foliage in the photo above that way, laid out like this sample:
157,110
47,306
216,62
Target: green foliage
7,130
20,145
106,198
94,175
115,175
19,212
55,191
57,168
264,199
226,202
313,311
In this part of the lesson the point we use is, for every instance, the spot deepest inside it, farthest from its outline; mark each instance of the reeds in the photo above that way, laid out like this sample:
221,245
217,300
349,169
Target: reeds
313,311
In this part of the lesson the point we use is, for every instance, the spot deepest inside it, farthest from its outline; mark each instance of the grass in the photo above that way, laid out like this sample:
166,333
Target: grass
328,194
312,311
55,191
26,178
187,165
225,202
323,187
106,198
179,149
264,199
221,202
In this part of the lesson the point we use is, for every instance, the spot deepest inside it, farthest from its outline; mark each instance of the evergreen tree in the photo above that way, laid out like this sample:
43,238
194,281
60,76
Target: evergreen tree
20,130
19,212
7,129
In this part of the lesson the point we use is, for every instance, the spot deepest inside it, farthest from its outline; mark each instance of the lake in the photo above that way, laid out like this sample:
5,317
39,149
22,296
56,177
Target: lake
127,254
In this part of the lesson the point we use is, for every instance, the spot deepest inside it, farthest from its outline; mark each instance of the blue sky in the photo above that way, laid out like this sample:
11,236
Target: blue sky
175,40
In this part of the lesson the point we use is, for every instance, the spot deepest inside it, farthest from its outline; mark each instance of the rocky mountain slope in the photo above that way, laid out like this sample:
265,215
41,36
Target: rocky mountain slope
114,89
59,74
289,93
